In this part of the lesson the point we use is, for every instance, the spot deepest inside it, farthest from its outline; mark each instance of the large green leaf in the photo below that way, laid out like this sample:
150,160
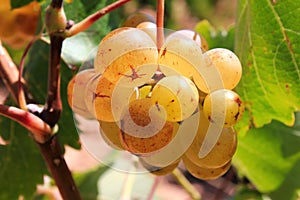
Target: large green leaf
270,157
21,165
267,42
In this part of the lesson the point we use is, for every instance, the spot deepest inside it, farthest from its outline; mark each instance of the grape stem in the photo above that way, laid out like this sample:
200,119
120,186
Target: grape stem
90,20
160,23
186,184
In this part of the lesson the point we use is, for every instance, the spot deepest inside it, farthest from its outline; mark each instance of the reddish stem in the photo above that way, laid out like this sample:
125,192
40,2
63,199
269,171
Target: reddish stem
53,106
87,22
53,155
160,23
21,94
41,131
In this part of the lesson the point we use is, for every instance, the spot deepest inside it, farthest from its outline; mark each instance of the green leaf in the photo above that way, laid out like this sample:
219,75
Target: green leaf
216,38
20,3
87,182
21,165
36,74
268,156
268,45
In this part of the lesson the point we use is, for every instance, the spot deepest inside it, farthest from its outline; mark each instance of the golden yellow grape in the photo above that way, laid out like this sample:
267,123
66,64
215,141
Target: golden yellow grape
110,133
224,103
220,154
205,173
154,137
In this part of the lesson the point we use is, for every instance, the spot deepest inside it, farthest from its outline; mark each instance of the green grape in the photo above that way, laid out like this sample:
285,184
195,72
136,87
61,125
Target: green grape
222,151
223,103
110,133
143,130
76,88
205,173
128,56
177,95
137,18
228,66
160,171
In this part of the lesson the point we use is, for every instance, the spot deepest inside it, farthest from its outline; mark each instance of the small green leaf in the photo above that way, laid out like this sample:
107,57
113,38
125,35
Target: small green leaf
87,182
268,156
216,38
268,45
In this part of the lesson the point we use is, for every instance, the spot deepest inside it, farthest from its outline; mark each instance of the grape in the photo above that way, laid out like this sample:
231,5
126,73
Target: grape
137,18
185,134
220,154
76,88
178,95
110,133
89,94
109,100
190,34
180,54
128,56
149,28
102,100
224,103
160,171
143,131
228,66
202,172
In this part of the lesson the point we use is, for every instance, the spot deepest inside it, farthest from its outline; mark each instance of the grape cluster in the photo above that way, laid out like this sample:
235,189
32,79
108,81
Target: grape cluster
163,105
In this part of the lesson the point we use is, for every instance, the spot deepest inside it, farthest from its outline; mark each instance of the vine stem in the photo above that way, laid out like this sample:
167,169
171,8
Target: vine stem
87,22
40,130
53,155
21,93
186,184
160,23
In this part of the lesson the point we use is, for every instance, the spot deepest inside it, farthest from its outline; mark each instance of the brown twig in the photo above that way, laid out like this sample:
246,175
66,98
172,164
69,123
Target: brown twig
58,168
21,93
10,76
53,106
160,23
90,20
40,130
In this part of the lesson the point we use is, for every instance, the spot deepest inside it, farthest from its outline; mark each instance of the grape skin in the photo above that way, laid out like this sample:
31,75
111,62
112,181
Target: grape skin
110,133
76,88
139,113
220,154
229,70
177,95
128,53
205,173
233,106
